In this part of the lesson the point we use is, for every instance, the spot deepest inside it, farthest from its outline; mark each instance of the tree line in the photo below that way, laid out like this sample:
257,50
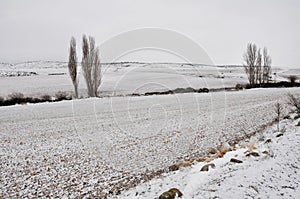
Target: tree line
257,65
90,65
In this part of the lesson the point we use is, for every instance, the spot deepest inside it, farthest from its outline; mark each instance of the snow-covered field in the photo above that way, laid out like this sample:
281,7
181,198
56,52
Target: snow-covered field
90,146
275,173
98,146
124,78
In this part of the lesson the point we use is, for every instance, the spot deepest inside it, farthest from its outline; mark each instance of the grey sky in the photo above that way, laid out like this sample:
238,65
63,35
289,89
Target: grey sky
41,30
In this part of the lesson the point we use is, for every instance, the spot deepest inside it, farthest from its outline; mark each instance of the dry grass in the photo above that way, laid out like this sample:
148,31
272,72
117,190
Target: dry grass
252,146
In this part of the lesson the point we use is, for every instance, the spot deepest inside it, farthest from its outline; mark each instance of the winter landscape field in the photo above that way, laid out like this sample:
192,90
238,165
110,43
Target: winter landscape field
103,146
149,99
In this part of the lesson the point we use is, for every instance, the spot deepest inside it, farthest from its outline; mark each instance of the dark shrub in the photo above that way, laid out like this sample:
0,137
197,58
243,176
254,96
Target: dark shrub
294,102
61,95
35,100
190,90
179,90
184,90
280,84
46,98
16,98
239,87
248,86
167,92
205,90
1,101
27,100
292,78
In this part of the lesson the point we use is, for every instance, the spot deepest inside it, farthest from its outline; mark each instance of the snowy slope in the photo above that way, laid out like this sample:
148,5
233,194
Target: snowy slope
274,174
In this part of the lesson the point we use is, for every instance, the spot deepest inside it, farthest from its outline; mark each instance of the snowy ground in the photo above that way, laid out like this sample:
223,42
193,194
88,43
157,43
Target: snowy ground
90,146
274,174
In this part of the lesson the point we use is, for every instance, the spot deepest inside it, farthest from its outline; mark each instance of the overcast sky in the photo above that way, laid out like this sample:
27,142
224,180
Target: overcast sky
41,29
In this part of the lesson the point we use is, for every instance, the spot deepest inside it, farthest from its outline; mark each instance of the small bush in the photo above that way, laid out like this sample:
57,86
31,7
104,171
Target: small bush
239,87
294,101
46,98
36,100
248,86
292,78
16,98
203,90
28,100
2,101
61,95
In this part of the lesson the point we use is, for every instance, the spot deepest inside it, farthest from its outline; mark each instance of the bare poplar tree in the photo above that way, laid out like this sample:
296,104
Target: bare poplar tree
250,58
257,66
85,64
96,72
91,66
72,65
266,66
258,71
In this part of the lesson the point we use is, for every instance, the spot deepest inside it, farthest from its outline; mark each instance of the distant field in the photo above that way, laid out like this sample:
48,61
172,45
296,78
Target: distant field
119,78
124,78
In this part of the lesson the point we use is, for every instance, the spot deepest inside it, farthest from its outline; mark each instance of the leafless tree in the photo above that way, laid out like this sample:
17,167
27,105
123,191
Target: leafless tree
292,78
86,64
278,110
250,58
96,72
294,101
257,66
72,65
91,66
258,71
266,66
